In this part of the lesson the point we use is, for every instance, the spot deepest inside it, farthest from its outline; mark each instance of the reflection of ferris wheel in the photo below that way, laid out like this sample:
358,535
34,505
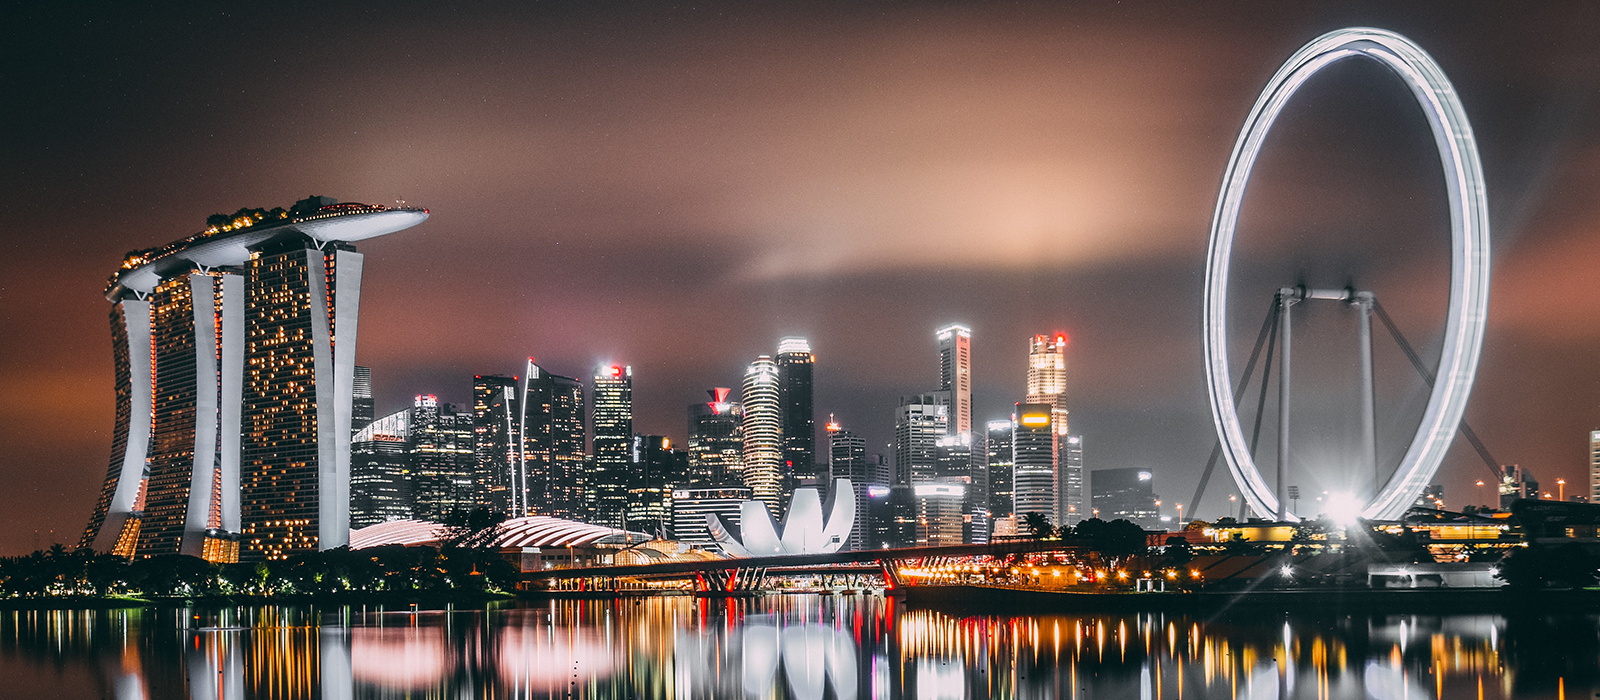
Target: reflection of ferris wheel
1469,279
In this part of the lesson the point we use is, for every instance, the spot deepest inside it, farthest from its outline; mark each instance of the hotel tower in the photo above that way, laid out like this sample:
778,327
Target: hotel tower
235,371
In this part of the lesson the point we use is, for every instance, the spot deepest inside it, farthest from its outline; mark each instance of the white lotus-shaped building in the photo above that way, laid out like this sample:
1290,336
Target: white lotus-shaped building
804,531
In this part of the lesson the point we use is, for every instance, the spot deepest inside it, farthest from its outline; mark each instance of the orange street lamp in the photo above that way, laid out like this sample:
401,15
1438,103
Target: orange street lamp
1561,487
1480,491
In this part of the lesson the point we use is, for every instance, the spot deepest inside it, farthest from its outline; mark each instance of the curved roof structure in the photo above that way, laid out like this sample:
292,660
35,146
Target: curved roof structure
529,531
220,247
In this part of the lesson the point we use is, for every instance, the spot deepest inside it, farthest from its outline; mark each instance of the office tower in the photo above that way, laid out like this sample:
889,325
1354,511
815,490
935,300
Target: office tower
716,442
444,458
496,426
955,462
847,459
657,470
362,410
1033,459
1069,478
551,478
607,495
880,468
691,506
1047,384
795,364
217,452
763,432
955,374
380,471
999,467
891,516
939,519
1594,466
1126,494
919,422
1516,484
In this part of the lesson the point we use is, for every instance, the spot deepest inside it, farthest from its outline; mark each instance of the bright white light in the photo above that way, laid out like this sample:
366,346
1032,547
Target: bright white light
1287,570
1343,508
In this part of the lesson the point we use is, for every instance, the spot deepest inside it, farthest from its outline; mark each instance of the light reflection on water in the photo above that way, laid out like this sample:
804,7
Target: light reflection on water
799,647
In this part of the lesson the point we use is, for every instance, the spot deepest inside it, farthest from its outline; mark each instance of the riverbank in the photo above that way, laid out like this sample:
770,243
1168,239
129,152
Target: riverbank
984,599
420,599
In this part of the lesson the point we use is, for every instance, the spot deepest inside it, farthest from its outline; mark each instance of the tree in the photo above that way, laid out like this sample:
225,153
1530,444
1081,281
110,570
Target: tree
1038,525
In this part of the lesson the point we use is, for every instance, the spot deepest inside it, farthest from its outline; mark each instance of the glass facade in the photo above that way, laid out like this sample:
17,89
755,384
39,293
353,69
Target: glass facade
552,445
796,366
763,432
716,442
613,445
497,430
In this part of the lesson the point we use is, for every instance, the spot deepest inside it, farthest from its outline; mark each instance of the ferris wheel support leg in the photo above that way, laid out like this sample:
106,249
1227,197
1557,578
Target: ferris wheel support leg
1369,413
1287,296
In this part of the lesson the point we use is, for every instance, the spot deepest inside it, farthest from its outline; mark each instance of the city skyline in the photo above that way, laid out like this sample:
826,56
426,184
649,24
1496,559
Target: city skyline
808,174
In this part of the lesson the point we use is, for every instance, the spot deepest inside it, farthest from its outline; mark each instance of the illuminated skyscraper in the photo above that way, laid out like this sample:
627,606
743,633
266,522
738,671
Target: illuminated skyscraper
955,374
795,400
847,459
231,388
919,422
1033,449
1047,384
763,432
999,466
1594,466
613,443
380,471
1069,479
552,477
658,470
362,410
497,428
1126,494
716,442
444,458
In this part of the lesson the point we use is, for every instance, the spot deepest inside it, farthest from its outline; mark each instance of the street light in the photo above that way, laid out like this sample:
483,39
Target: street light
1480,493
1180,516
1561,487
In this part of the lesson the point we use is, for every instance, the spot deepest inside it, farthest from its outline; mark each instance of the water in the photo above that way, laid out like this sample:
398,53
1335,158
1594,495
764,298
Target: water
800,647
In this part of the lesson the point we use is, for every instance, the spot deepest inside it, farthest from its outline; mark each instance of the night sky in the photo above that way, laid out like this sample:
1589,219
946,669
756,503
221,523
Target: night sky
676,187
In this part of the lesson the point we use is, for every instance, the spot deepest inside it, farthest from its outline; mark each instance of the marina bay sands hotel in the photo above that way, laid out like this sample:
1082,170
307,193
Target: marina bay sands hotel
235,360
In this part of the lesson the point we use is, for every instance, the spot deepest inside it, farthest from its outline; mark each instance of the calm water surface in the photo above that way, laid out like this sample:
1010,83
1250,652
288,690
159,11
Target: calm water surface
802,647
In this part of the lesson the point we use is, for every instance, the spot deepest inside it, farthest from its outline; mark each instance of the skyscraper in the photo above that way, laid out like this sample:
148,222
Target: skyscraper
1594,466
1033,449
847,459
763,432
657,470
1047,384
613,443
919,423
1000,464
1126,494
380,471
716,442
263,453
1069,478
795,364
955,374
362,410
496,425
552,478
444,458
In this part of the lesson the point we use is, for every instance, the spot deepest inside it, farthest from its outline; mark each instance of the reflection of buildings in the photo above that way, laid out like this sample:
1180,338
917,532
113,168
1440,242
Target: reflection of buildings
234,404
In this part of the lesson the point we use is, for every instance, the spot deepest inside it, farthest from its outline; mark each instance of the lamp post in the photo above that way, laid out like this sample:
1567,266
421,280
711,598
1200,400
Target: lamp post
1180,516
1480,493
1561,488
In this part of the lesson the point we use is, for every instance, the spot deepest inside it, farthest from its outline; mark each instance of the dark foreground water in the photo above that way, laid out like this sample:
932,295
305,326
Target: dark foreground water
803,647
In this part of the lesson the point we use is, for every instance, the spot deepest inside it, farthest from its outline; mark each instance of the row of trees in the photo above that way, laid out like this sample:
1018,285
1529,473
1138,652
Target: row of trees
466,560
396,569
1115,538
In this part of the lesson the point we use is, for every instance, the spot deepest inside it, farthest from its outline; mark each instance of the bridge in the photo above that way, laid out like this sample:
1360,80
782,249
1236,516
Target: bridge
750,574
